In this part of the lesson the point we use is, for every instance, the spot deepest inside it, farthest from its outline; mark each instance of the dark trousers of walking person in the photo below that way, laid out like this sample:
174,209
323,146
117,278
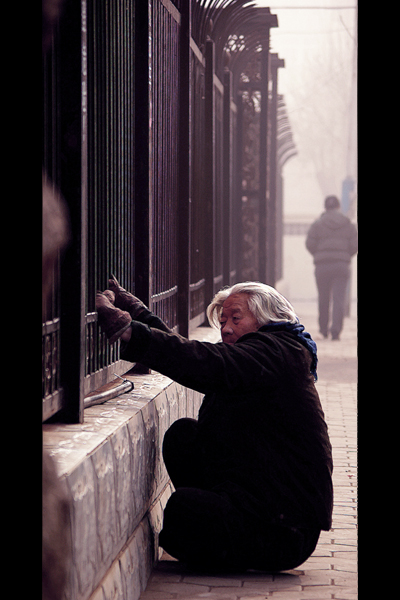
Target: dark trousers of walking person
204,528
332,279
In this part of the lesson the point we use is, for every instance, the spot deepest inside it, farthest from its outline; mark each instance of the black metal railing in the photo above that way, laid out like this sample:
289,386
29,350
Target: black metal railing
144,127
164,198
111,173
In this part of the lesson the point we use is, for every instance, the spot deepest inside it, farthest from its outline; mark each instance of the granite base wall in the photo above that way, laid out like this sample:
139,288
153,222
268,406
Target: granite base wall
113,470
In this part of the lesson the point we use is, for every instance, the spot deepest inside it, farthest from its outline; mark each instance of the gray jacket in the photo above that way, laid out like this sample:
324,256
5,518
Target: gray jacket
332,238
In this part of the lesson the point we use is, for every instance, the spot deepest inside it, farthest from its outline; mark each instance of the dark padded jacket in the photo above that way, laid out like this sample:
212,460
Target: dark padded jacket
261,425
332,238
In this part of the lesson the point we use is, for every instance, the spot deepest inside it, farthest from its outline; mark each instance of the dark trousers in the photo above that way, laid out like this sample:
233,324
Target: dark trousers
203,527
332,280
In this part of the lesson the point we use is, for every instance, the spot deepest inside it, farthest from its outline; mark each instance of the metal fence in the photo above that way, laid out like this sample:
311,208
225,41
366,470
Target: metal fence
164,124
144,125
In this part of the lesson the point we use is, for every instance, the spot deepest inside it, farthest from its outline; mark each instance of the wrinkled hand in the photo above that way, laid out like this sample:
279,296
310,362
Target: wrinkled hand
125,300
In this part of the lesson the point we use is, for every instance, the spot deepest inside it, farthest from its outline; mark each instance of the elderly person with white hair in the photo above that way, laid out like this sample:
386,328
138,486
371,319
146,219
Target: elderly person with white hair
253,474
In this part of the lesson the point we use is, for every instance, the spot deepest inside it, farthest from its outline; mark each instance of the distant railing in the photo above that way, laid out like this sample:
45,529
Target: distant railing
296,228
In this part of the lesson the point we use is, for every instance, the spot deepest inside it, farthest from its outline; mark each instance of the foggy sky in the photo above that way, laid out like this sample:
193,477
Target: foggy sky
318,48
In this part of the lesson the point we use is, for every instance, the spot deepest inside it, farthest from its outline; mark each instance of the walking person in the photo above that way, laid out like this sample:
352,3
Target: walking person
332,240
252,474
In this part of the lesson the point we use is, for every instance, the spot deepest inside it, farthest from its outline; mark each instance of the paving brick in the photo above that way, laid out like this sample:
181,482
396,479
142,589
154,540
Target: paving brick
280,581
318,562
345,579
253,595
348,553
214,581
241,592
177,588
345,593
321,593
210,596
160,595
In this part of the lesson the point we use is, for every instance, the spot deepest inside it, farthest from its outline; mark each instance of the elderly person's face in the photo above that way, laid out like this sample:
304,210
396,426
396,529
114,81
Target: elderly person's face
236,319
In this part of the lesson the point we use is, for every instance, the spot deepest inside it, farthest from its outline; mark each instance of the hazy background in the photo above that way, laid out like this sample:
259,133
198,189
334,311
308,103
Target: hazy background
319,88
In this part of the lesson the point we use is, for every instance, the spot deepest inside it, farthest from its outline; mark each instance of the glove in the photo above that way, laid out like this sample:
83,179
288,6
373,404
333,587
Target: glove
112,320
125,300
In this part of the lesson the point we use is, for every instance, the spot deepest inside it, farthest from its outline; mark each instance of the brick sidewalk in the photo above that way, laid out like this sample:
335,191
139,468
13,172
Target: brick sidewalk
331,571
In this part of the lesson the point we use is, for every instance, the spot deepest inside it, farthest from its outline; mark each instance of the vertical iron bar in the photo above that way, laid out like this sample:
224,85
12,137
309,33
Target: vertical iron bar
227,178
209,170
238,211
142,153
263,189
272,225
184,200
218,173
279,218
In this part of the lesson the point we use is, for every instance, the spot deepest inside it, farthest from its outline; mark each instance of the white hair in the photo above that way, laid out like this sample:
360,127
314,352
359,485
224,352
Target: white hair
265,303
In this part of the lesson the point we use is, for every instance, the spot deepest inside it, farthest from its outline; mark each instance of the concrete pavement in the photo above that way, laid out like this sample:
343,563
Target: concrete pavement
331,571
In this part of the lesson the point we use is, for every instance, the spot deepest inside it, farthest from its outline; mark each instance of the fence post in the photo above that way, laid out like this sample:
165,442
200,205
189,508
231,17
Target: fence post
143,242
184,200
209,170
73,185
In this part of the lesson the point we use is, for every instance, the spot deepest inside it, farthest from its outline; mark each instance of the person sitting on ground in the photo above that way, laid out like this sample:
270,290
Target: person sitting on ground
253,474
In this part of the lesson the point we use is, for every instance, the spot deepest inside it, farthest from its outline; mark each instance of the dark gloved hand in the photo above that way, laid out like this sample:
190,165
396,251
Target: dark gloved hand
112,320
125,300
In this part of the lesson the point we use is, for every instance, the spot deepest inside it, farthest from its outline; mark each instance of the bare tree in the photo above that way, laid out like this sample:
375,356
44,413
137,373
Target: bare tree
321,117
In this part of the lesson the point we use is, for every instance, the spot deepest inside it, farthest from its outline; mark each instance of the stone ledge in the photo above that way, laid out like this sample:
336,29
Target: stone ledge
113,470
114,473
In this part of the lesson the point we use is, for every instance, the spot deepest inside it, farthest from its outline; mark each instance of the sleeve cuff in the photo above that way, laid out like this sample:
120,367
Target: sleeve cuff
136,348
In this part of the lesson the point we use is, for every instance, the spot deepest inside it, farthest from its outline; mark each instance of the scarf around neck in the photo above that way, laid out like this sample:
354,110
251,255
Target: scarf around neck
303,337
